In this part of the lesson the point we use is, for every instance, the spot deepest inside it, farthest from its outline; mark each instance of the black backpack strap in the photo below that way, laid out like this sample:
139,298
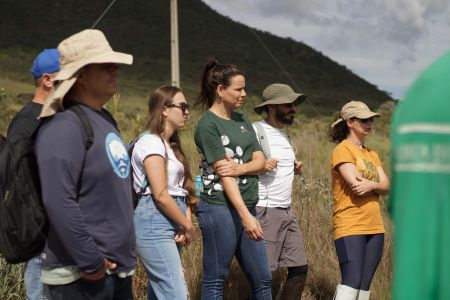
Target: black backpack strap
88,130
86,125
110,118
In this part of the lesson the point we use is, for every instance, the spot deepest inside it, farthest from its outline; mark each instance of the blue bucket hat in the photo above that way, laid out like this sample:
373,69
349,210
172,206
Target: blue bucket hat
46,62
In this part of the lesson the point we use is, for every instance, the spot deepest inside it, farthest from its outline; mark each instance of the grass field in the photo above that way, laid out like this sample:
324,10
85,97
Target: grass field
313,202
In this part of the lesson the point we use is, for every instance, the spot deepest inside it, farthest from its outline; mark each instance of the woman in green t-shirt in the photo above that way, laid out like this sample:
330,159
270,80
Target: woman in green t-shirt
230,160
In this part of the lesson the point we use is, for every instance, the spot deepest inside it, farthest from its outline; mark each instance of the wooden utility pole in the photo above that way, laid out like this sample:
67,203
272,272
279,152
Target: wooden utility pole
174,43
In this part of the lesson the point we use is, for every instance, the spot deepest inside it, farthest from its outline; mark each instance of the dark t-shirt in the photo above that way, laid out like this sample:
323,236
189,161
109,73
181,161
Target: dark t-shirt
86,194
215,138
25,122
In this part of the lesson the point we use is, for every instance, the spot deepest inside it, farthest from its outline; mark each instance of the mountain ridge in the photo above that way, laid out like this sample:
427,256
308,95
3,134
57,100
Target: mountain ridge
142,28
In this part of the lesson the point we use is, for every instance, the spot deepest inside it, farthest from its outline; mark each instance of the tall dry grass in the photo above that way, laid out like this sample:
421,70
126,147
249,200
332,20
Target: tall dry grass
312,203
314,207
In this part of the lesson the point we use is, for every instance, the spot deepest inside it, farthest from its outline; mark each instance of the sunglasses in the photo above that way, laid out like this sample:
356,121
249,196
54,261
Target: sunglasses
365,120
292,104
183,106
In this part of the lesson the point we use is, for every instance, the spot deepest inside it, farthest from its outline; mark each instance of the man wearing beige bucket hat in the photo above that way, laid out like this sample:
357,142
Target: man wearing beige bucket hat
86,192
282,235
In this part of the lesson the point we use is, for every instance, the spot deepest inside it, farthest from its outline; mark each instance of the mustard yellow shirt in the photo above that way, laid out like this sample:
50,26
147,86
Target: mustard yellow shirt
355,214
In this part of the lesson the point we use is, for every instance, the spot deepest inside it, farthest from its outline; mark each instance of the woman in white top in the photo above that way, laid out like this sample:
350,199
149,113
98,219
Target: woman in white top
163,215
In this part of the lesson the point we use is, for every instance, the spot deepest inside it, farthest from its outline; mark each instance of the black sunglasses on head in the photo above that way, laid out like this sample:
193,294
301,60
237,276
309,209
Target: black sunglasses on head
183,106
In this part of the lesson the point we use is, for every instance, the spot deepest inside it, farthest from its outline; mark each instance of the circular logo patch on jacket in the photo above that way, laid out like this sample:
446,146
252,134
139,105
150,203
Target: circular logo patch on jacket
118,155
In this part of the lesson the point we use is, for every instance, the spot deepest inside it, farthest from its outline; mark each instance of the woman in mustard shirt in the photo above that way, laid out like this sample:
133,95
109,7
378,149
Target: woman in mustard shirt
358,179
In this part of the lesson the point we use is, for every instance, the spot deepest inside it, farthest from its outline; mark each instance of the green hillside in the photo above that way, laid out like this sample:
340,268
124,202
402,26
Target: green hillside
142,28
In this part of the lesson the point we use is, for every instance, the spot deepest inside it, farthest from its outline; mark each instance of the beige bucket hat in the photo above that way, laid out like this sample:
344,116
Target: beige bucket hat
355,109
278,93
89,46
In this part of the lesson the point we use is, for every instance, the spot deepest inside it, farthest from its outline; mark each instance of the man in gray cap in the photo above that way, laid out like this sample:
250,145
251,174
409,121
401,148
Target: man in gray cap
89,253
282,235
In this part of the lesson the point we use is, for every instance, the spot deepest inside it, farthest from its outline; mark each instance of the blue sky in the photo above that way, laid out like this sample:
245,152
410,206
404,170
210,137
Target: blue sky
387,42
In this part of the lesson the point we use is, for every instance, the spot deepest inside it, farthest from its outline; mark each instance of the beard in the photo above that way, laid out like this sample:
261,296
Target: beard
285,118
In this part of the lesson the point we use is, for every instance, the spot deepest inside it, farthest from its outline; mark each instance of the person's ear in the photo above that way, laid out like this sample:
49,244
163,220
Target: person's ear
80,74
349,123
47,80
164,111
220,90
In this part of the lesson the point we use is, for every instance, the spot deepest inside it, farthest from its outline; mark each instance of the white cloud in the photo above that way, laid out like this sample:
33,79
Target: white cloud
387,42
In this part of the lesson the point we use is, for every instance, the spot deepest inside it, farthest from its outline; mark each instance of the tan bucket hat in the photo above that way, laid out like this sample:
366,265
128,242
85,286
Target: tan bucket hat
355,109
278,93
89,46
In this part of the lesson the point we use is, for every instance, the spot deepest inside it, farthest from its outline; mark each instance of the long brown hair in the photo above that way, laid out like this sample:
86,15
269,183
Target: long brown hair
155,124
215,74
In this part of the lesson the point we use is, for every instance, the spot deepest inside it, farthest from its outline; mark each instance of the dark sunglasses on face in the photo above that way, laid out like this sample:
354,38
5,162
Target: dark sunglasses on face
365,120
183,106
289,105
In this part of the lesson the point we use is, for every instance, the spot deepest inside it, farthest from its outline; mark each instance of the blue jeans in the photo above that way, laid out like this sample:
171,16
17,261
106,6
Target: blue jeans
109,287
224,238
32,278
156,247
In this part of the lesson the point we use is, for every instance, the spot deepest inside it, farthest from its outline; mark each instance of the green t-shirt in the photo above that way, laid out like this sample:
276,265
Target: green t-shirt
215,137
420,196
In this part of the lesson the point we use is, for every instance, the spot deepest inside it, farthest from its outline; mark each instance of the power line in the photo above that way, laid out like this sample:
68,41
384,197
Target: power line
103,14
274,58
277,62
